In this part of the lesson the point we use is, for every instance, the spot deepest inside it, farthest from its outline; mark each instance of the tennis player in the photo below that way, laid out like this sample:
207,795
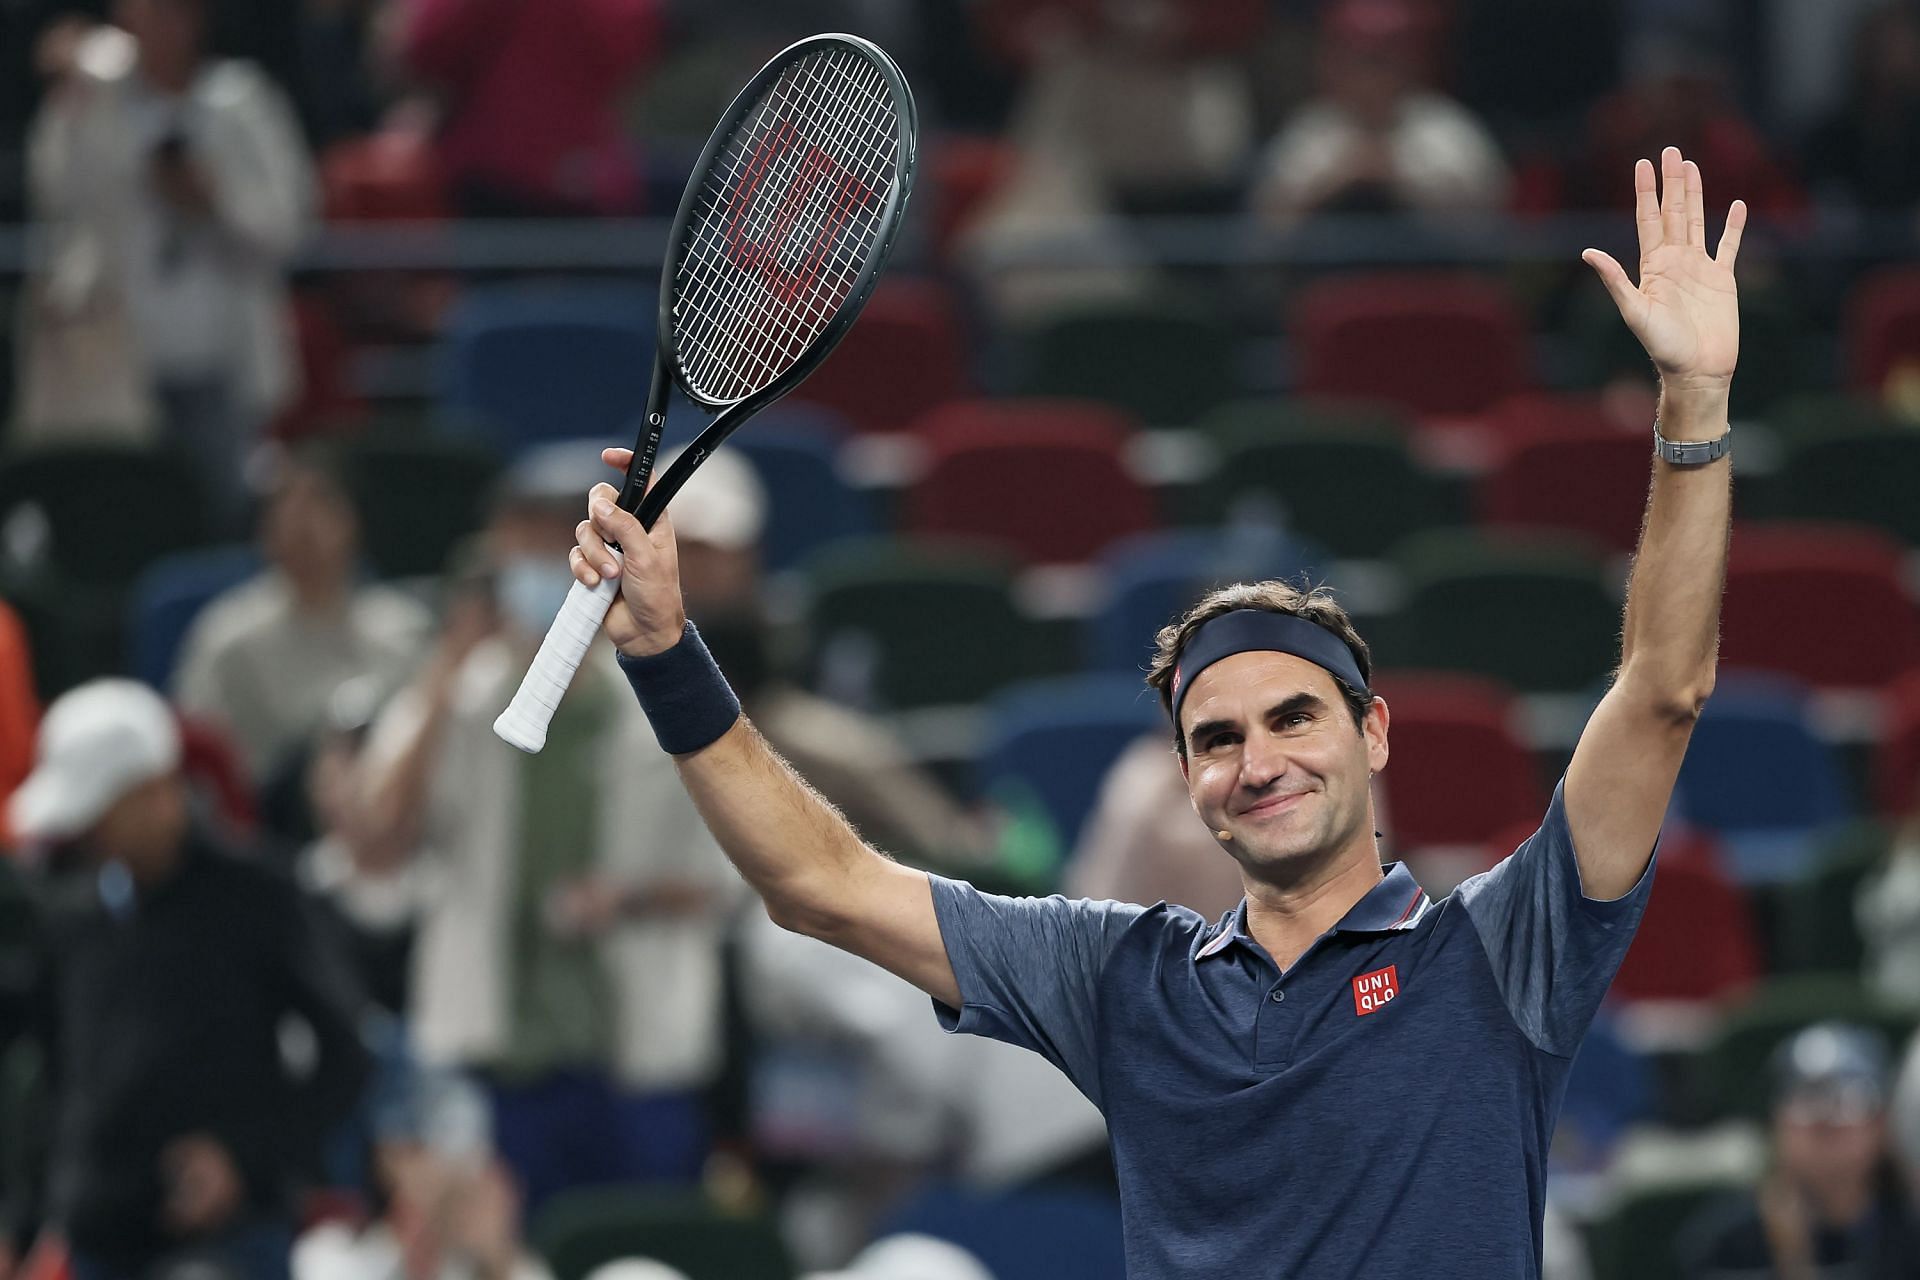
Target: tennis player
1340,1077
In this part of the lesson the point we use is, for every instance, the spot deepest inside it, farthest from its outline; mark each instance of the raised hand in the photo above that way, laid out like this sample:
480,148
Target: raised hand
1686,309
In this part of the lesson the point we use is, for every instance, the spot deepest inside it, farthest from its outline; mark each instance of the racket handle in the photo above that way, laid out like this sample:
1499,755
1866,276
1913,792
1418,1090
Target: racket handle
524,722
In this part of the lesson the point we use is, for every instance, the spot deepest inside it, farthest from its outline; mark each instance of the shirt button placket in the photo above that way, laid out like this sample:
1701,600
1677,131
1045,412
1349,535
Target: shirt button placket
1274,1028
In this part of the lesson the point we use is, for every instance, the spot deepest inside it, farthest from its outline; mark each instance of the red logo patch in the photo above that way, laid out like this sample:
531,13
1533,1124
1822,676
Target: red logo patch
1372,990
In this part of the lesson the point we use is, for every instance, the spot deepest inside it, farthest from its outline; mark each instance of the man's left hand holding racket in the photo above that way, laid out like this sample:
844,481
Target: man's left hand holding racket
646,616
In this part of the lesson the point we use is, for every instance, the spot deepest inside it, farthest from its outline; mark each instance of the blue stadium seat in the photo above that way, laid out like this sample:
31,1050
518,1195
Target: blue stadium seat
808,504
169,595
1154,577
1059,737
1758,777
1022,1235
1610,1087
532,363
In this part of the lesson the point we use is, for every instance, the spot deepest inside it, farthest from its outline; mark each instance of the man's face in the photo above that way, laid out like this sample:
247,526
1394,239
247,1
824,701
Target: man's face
1273,758
1818,1143
310,530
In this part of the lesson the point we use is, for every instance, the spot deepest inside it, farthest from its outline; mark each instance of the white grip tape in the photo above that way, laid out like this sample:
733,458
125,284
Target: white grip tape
524,722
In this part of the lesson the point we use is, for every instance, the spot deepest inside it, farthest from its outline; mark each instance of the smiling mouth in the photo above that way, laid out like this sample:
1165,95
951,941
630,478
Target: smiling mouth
1272,805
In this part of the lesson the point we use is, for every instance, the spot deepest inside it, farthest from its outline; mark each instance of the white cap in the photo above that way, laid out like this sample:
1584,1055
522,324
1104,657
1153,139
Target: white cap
634,1269
911,1257
96,743
723,502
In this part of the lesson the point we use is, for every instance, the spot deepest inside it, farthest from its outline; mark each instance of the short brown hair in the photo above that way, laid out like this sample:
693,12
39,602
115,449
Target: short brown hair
1316,604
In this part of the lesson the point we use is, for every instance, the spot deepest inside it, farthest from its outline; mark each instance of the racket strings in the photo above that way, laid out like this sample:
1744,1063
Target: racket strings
786,220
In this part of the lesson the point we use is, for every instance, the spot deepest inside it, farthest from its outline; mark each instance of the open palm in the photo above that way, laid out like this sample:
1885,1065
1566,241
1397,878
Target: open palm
1686,309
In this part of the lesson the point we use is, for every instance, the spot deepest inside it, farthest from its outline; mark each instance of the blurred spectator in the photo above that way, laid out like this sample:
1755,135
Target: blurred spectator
1378,138
1676,94
1143,842
718,518
1887,910
570,949
264,658
910,1257
1830,1199
529,95
182,1126
169,191
1868,152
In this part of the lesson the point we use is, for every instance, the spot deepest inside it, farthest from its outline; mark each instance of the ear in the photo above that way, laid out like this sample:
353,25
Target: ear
1374,729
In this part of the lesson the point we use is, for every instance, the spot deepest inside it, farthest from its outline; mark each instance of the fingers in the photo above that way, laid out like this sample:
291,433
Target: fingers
1673,197
1696,207
1646,207
1730,238
1614,276
618,459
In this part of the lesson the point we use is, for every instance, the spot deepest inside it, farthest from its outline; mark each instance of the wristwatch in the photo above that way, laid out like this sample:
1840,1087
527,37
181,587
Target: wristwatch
1691,453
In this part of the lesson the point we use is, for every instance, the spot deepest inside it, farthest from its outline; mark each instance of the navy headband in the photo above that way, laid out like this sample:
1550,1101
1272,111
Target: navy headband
1261,630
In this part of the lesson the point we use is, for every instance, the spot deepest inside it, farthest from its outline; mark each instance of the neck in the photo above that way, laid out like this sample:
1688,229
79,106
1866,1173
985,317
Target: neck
316,592
1285,919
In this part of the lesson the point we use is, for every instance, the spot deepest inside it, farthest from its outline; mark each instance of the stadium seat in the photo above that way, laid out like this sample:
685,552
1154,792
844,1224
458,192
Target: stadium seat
808,504
1437,344
1356,490
1871,477
1610,1087
1166,364
169,596
1759,778
1046,479
1896,762
1635,1238
1806,419
1530,415
1775,347
1816,927
1697,940
1022,1235
75,631
1731,1072
1537,613
965,171
900,625
416,499
1586,481
526,364
104,511
1825,603
1459,775
1060,736
905,354
1280,417
577,1231
1152,578
1882,329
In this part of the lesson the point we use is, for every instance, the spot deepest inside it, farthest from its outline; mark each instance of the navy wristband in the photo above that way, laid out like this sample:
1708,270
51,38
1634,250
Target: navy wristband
687,700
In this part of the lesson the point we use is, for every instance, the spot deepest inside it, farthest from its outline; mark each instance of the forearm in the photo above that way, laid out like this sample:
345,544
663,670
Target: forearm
793,847
1671,635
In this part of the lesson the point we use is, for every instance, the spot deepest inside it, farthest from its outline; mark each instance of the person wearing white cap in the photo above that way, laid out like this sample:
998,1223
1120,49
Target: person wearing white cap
180,1125
572,960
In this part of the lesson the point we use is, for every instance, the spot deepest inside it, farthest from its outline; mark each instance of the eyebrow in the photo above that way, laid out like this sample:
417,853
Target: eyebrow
1279,711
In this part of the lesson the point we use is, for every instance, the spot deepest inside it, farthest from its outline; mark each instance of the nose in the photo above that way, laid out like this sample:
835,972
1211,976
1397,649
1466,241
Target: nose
1263,758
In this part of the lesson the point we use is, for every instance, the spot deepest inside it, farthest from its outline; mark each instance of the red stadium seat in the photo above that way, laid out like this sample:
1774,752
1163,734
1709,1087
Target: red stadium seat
385,177
1896,766
1045,478
1587,481
965,172
904,355
1883,329
1436,344
1697,940
1825,603
1459,775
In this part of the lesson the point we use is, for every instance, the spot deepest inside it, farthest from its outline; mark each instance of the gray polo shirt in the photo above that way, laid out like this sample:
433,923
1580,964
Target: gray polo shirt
1383,1108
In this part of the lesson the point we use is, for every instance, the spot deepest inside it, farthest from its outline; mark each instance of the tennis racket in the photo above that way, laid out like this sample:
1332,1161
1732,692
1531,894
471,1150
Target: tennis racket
779,238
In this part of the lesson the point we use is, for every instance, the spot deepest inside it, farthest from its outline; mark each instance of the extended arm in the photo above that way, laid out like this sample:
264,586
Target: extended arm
811,868
1685,312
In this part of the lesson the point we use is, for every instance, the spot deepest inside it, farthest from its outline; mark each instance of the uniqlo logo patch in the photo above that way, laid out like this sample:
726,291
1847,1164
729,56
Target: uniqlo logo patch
1372,990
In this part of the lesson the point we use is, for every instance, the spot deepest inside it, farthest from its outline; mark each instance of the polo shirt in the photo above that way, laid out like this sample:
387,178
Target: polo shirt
1382,1108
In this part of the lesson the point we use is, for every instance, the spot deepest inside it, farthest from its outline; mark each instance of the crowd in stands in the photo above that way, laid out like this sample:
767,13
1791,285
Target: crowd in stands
301,967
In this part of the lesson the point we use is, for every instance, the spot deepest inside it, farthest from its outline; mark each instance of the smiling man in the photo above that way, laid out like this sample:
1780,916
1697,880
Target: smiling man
1341,1077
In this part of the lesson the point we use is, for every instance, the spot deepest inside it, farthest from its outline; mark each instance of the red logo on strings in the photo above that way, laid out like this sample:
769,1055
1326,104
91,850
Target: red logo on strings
758,236
1372,990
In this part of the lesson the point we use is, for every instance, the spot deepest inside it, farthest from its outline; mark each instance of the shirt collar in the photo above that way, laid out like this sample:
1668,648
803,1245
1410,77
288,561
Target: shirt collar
1396,903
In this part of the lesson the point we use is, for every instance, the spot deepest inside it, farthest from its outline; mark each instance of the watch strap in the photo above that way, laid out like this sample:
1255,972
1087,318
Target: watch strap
1692,453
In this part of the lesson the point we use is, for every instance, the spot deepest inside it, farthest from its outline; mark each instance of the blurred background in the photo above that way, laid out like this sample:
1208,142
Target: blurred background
317,313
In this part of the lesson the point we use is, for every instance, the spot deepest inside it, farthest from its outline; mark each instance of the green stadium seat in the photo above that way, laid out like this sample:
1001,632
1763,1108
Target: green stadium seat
903,625
417,498
106,511
1265,417
1166,364
1869,477
1636,1238
1731,1077
1814,926
578,1231
1355,490
1536,613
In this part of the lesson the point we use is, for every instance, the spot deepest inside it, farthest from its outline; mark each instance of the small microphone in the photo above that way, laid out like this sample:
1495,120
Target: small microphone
1224,834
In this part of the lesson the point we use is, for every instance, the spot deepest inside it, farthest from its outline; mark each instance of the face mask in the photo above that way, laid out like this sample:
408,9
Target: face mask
531,590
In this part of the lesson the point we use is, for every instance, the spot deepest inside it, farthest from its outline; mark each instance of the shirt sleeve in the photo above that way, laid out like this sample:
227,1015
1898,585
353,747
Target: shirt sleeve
1554,950
1029,970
